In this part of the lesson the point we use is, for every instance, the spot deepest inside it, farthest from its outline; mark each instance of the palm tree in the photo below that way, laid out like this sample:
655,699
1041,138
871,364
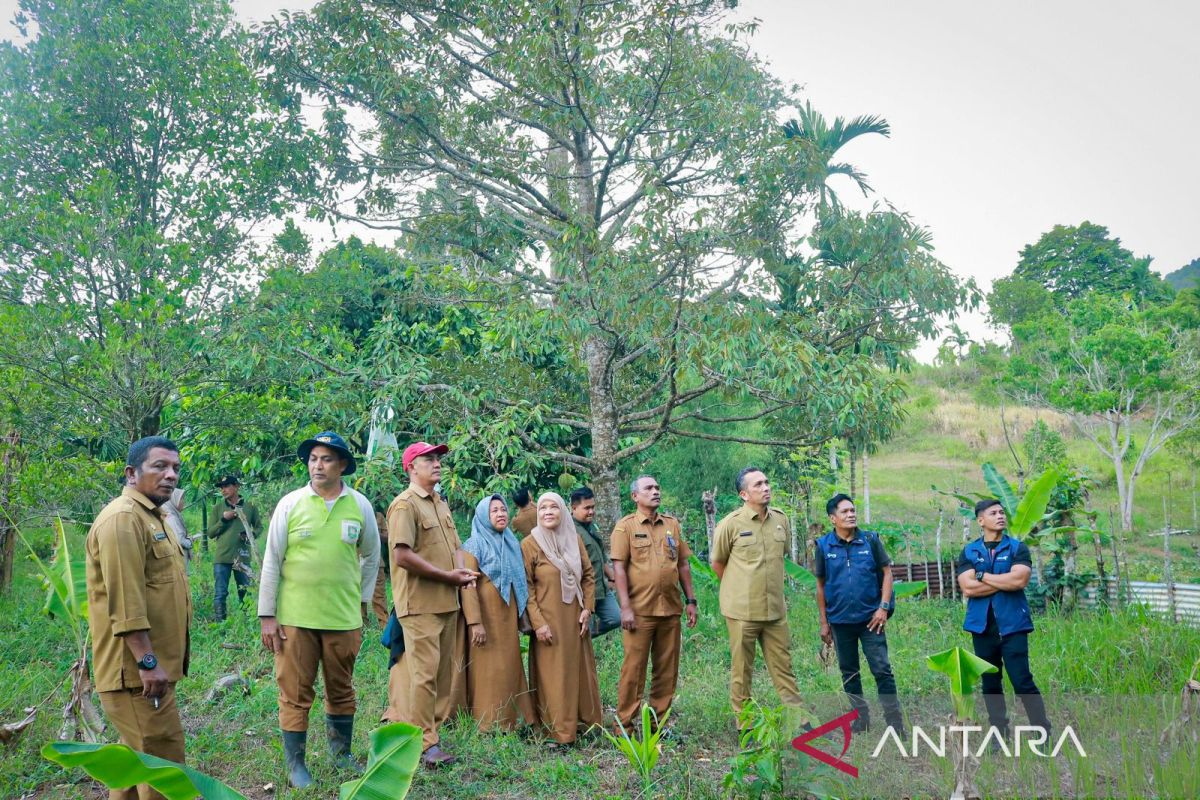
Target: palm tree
823,141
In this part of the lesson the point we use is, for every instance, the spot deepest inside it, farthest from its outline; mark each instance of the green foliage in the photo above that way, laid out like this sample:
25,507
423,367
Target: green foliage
391,765
642,754
1186,277
757,769
963,670
1001,489
798,574
1044,447
118,767
65,583
1071,261
903,589
1032,508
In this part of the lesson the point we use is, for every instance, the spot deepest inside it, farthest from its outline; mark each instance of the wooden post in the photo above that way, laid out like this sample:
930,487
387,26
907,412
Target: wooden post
866,490
9,464
1112,532
1102,589
1171,607
709,501
203,522
937,548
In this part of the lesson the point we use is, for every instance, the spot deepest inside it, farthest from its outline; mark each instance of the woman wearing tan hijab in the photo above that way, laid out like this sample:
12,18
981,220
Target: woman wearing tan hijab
562,666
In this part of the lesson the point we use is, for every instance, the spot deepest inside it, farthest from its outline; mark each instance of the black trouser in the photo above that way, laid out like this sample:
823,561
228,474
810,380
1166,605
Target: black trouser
846,638
1008,653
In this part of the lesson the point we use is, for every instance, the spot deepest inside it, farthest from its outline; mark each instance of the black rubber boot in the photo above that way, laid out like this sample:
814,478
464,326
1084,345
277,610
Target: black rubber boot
294,745
340,728
219,612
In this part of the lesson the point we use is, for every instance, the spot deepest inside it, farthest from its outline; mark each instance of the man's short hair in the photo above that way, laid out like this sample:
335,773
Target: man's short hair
581,494
521,497
637,482
984,505
140,450
739,482
836,501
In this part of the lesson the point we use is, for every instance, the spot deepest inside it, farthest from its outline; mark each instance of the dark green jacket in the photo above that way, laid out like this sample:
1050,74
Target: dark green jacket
227,535
595,550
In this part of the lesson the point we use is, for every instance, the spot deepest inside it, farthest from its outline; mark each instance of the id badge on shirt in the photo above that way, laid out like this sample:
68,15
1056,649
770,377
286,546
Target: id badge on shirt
672,548
350,531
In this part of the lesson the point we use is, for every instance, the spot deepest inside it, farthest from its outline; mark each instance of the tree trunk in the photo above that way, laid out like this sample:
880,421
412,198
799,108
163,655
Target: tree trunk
866,480
853,472
709,501
9,464
603,422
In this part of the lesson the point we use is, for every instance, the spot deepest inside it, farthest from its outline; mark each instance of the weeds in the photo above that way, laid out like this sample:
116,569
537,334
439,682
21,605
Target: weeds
642,754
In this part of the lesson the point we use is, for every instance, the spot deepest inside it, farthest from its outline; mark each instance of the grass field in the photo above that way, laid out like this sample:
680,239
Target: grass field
1095,656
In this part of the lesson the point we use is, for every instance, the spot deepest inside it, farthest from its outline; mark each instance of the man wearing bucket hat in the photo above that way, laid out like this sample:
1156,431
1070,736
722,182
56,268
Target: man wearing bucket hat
425,583
311,612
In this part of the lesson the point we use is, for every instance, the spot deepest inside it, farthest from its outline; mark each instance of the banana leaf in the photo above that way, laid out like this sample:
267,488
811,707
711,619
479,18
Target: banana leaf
963,669
1001,488
119,767
1032,507
395,752
702,570
799,574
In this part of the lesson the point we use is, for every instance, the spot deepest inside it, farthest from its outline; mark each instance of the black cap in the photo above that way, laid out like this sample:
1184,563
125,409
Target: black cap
227,480
984,505
333,442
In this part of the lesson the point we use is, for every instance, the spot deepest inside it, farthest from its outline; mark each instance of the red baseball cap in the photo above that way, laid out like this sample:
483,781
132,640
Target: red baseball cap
418,449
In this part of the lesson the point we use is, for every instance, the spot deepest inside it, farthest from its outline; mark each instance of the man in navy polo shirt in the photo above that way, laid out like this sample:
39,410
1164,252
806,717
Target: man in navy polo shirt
992,572
854,596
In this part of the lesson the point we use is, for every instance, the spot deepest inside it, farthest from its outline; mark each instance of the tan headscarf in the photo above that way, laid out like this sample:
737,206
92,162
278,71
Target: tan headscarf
561,546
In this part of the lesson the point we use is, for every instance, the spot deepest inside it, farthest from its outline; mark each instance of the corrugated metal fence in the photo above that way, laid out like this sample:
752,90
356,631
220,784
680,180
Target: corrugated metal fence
928,571
1180,600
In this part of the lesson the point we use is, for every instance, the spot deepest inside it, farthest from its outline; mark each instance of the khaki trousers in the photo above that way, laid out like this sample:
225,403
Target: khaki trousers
296,672
775,640
143,727
421,684
379,600
658,639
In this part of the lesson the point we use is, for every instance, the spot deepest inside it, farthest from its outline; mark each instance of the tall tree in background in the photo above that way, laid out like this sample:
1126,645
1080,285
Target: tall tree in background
137,151
620,172
1069,262
823,140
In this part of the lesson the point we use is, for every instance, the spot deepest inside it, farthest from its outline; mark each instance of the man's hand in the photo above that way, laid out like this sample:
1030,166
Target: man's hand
826,633
462,577
228,515
154,682
544,635
877,621
273,636
690,611
478,635
628,619
584,616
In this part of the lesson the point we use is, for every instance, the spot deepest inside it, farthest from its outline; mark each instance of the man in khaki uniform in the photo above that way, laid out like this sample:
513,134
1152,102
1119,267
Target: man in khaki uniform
525,519
748,549
650,558
425,582
139,608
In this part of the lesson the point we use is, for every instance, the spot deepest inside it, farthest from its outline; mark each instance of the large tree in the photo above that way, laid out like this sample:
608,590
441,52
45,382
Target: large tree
1070,261
610,178
138,149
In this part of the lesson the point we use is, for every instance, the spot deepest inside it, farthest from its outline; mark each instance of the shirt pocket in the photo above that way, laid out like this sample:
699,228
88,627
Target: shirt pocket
351,529
431,543
160,567
639,549
747,547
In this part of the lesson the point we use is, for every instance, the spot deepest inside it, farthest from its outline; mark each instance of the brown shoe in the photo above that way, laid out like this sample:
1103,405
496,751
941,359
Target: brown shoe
435,757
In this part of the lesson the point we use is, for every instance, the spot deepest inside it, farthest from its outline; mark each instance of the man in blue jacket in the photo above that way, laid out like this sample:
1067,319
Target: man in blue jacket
854,600
992,572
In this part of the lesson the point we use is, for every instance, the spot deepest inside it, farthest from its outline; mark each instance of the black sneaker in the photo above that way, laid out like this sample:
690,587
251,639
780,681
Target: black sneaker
861,725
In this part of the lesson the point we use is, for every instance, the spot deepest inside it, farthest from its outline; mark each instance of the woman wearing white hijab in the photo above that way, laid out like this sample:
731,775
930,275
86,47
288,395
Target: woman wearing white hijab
497,694
562,666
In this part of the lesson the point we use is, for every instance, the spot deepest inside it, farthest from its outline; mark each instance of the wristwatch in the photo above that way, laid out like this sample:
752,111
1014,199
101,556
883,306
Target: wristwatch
979,575
888,605
148,662
691,601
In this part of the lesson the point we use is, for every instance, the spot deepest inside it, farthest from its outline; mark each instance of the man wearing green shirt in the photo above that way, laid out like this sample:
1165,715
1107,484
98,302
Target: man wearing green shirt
318,575
607,614
231,542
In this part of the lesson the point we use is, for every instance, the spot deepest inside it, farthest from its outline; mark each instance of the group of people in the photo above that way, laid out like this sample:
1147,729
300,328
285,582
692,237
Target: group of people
462,607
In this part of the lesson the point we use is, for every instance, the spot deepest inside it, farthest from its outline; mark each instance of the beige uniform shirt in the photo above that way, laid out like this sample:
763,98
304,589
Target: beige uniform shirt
651,552
525,521
136,581
753,550
422,520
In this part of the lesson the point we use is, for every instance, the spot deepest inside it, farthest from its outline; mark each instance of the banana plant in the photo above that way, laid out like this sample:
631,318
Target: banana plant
395,753
963,670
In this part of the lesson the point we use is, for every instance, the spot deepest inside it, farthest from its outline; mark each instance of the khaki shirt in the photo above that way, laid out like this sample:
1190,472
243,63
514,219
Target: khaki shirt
422,521
136,581
525,520
651,552
753,550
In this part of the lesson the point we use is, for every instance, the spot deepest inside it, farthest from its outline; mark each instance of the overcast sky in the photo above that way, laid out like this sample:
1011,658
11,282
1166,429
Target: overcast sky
1007,118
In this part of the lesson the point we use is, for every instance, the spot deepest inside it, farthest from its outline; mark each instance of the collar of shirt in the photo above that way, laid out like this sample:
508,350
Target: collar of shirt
142,500
747,511
858,538
313,492
644,519
419,492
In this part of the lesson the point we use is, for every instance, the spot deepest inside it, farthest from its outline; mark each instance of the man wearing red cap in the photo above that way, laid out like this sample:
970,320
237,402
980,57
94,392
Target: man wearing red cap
423,544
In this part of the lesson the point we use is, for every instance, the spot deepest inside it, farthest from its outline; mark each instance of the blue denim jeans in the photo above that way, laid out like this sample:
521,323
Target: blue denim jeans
846,640
221,573
607,616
